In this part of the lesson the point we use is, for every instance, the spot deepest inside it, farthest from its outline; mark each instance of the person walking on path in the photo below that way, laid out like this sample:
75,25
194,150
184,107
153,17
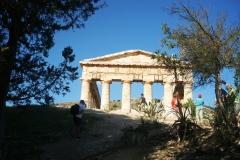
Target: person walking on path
199,108
77,119
159,109
142,102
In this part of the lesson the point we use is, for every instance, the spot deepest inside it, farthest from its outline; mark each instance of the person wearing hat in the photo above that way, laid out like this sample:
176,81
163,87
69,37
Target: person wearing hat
199,102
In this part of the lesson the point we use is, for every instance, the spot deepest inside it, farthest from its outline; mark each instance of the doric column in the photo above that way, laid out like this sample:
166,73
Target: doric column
168,94
147,89
85,93
188,91
105,100
126,96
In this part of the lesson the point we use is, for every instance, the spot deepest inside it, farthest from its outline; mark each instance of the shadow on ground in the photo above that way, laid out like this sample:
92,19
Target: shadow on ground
100,139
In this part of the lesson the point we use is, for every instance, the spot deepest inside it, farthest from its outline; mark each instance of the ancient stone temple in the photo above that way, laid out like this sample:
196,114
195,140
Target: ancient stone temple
128,67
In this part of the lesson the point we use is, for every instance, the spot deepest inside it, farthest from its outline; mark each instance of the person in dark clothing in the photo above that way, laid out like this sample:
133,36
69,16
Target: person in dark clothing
142,102
77,119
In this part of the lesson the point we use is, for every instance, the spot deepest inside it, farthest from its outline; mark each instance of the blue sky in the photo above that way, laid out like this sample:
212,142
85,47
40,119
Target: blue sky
127,25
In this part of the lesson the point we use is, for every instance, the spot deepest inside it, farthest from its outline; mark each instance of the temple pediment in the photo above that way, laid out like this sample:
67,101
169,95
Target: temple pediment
129,57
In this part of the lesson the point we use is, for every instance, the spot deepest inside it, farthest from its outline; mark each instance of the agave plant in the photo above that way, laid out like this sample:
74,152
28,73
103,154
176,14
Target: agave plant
135,136
153,108
184,126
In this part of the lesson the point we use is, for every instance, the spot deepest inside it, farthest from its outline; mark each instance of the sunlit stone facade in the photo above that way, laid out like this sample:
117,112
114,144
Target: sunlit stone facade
128,67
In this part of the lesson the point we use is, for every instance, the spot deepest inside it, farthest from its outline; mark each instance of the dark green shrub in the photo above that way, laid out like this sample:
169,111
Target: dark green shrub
115,106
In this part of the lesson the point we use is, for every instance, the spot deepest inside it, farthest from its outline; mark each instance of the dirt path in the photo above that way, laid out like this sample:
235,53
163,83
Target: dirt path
96,138
100,136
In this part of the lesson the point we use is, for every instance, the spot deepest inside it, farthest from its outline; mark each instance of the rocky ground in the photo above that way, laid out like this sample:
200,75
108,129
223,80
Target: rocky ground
102,141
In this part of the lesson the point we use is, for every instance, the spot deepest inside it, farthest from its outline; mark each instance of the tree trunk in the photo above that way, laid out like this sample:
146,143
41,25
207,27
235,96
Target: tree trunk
2,124
218,93
4,85
8,58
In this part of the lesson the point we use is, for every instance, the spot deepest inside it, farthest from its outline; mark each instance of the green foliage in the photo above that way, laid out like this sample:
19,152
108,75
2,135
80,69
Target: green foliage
55,79
26,36
207,46
173,63
191,106
222,134
153,108
115,106
49,100
237,74
183,127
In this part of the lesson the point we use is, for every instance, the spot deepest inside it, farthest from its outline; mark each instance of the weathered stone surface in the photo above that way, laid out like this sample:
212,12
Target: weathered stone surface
127,67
